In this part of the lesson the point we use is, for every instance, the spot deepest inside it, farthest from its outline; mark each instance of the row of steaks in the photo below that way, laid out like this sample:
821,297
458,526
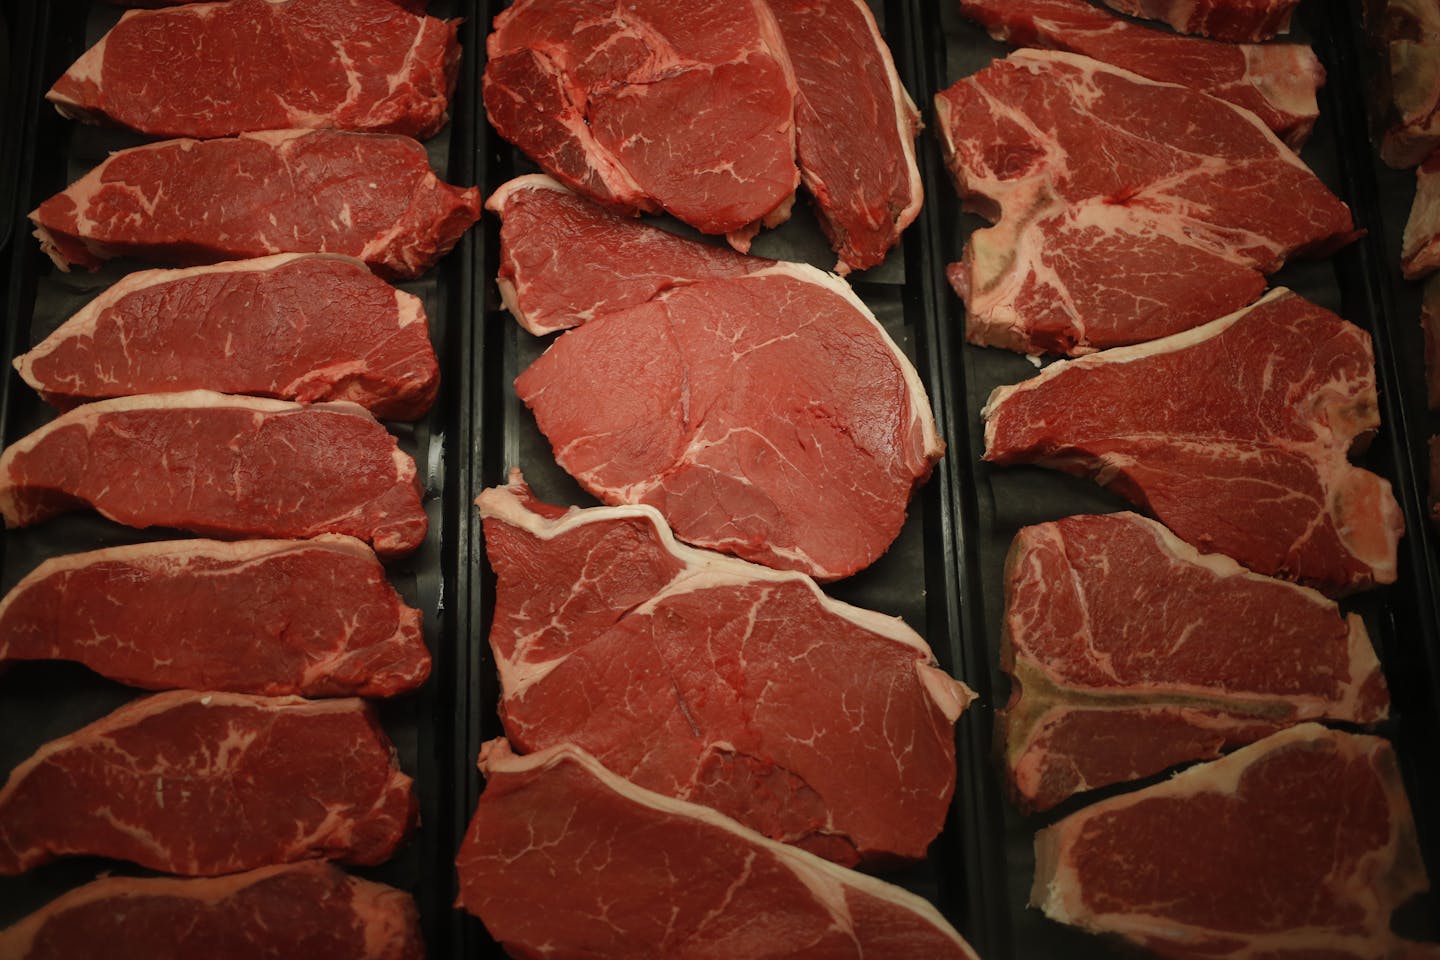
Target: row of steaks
236,398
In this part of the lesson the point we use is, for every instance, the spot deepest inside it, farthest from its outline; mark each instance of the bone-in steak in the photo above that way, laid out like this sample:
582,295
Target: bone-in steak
1300,845
371,196
209,783
222,466
1234,435
267,65
309,909
683,106
293,326
1130,652
565,260
768,416
565,855
739,683
1233,21
1127,209
1276,81
309,617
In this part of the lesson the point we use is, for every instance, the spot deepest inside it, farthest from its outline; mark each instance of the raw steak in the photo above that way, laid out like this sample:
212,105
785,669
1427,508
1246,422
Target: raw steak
1412,30
739,682
1435,481
1234,435
1277,81
294,326
202,784
1127,209
1130,652
1234,21
1420,246
1430,327
371,196
214,71
307,909
565,260
563,854
309,617
855,127
1212,863
767,416
221,466
685,106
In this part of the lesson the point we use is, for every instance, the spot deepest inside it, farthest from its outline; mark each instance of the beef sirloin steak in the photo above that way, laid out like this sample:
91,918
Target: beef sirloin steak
1234,435
201,784
768,416
566,856
1130,652
222,466
1299,845
371,196
310,617
685,106
1126,209
309,909
739,683
206,71
294,326
1275,81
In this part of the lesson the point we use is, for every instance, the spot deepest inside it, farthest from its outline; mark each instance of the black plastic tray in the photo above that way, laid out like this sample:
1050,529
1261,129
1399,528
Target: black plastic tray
41,701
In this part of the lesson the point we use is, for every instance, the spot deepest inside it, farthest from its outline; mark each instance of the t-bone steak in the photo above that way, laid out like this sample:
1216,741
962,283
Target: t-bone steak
221,466
1234,435
294,326
565,858
1233,21
309,909
769,416
212,71
310,617
739,683
1420,244
685,106
565,260
366,195
1130,652
202,784
1300,845
1126,209
855,127
1275,81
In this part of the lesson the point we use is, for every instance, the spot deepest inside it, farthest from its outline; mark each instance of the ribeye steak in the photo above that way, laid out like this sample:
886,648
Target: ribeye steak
738,683
371,196
209,783
1234,435
566,856
1130,652
769,416
1275,81
1126,209
222,466
293,326
309,909
309,617
204,71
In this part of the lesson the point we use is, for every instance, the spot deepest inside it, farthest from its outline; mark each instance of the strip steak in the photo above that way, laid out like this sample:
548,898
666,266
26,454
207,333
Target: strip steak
309,909
1130,652
371,196
310,617
738,681
202,784
1234,435
564,855
294,326
221,466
